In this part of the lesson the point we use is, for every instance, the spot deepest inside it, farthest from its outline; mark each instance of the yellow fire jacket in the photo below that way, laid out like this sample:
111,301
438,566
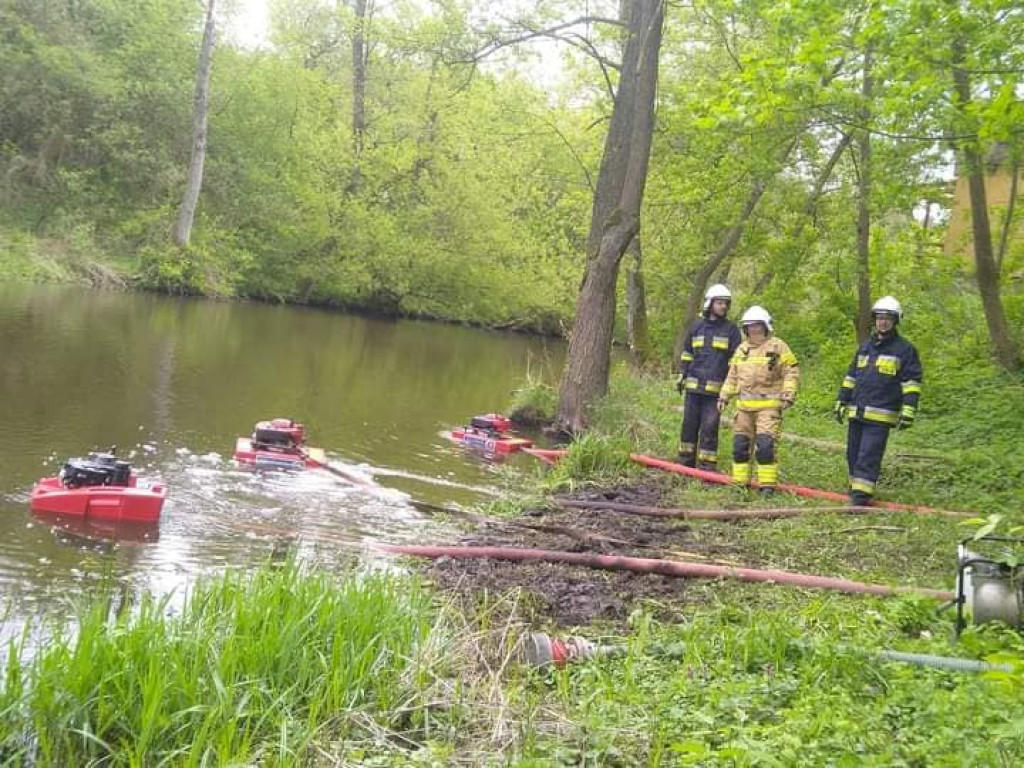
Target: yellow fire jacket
762,376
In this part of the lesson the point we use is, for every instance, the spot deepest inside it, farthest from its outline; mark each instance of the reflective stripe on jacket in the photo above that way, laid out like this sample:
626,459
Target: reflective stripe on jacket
883,381
762,376
709,345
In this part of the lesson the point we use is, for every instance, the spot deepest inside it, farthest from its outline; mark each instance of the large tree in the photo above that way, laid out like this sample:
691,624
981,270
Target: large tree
200,108
615,214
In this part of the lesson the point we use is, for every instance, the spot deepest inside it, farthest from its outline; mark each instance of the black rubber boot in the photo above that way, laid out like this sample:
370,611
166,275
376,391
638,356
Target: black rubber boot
859,499
766,491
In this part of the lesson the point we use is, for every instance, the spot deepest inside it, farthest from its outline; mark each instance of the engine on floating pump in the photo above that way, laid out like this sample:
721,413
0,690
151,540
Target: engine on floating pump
282,435
491,423
96,469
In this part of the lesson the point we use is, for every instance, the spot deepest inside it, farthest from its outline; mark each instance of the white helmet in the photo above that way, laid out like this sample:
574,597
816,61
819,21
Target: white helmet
756,314
716,291
887,305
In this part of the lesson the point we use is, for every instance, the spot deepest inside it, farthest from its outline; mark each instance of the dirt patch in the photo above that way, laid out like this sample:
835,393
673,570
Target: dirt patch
567,595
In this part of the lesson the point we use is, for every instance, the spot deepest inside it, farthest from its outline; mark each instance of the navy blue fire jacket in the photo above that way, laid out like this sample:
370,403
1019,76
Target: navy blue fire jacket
883,381
704,362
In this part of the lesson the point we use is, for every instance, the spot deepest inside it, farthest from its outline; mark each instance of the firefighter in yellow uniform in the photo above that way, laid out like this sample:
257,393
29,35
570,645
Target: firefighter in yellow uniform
763,377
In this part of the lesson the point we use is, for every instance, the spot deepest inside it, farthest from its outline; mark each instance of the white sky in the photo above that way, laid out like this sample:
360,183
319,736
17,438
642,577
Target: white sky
249,24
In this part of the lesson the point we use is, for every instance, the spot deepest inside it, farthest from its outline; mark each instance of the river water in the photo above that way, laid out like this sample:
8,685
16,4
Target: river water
172,382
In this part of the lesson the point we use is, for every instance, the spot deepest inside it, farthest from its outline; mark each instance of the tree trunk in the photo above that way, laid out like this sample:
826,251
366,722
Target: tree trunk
359,77
700,280
809,207
183,228
725,250
637,328
1011,205
862,323
615,218
636,306
925,227
985,269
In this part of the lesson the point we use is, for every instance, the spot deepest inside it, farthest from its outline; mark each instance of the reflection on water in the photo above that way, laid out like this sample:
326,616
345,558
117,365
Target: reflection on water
173,382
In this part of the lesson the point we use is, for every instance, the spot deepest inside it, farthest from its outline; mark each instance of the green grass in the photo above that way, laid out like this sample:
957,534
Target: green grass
254,667
592,459
73,258
785,685
770,675
534,402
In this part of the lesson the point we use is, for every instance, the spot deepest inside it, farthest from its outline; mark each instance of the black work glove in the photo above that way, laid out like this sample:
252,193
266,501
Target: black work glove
839,411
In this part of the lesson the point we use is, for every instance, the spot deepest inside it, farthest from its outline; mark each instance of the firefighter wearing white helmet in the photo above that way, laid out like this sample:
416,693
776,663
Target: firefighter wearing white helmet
763,377
703,363
880,391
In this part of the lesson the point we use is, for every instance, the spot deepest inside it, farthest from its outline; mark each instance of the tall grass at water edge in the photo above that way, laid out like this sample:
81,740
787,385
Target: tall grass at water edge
253,668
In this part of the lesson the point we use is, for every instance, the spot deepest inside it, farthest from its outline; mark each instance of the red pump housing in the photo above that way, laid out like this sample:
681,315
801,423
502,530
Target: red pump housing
278,444
100,487
488,434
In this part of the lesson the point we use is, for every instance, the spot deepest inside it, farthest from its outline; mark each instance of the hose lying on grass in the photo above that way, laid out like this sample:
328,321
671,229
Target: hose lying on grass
551,457
663,567
942,662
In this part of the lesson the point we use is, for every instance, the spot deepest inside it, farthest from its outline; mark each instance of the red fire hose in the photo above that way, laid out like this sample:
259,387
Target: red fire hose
547,456
663,567
798,490
552,457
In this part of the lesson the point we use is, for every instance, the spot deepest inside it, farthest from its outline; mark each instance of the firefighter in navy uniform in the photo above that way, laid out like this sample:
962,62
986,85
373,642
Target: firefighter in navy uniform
880,391
704,363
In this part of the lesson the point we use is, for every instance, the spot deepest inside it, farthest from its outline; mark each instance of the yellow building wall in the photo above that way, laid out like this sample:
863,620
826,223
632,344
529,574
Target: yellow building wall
959,237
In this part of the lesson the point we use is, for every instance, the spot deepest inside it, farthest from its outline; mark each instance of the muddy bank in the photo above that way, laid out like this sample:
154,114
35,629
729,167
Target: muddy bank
566,595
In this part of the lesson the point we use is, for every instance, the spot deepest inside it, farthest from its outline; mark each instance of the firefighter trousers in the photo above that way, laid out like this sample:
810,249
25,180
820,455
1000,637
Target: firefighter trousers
756,432
865,446
698,438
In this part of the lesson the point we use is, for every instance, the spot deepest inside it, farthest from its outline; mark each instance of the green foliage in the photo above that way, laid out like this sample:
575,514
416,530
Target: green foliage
792,682
592,458
534,402
452,210
251,668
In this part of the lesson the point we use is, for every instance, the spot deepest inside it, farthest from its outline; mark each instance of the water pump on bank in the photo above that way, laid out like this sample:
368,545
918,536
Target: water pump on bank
990,586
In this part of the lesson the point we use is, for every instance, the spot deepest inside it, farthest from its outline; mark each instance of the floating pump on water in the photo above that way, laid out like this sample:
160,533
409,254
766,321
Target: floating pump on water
489,435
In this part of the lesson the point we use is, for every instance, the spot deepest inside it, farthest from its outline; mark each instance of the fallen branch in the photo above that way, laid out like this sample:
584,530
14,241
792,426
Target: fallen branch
573,533
664,567
838,447
887,528
768,513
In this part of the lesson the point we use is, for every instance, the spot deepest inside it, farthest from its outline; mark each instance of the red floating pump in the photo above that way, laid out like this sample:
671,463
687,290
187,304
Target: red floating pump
489,434
279,433
278,444
99,487
491,422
